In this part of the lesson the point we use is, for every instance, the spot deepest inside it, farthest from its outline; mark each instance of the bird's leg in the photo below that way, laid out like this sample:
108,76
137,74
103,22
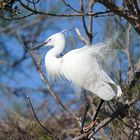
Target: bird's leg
84,115
98,109
85,111
86,129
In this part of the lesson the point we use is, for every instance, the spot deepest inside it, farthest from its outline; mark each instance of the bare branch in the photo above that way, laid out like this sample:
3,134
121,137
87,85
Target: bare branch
63,15
128,14
119,111
113,116
80,36
16,18
46,129
84,22
68,5
128,51
91,4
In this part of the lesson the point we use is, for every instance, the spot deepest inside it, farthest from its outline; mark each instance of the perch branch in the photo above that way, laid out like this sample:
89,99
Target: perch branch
115,114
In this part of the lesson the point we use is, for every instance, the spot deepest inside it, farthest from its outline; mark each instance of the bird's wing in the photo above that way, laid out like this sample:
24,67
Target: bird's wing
107,53
106,48
85,70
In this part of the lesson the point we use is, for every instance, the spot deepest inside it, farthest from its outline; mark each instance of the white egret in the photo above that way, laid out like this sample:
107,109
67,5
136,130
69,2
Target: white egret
84,67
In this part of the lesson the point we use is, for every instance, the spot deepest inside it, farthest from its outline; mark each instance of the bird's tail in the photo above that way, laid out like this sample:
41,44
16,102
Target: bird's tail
116,88
119,91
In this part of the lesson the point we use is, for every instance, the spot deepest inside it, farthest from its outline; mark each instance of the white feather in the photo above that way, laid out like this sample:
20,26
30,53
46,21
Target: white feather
83,67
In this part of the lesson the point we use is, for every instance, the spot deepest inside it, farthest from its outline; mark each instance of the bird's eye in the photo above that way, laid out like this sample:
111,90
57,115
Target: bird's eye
49,39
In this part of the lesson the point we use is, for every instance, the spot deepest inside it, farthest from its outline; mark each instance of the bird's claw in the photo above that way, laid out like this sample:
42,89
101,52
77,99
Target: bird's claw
87,128
90,126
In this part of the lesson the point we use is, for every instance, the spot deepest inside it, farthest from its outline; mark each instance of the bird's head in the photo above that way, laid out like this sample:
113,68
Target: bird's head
55,39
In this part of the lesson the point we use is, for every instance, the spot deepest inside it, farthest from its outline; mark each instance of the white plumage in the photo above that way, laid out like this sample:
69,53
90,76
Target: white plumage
84,67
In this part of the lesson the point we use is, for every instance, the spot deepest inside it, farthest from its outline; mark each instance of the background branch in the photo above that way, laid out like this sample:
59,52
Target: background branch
114,115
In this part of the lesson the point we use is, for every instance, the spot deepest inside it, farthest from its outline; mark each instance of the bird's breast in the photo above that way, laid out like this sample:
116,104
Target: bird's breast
53,66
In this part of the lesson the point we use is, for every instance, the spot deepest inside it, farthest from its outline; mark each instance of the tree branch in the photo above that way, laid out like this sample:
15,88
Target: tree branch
47,130
80,36
128,51
91,3
68,5
83,18
63,15
115,114
129,15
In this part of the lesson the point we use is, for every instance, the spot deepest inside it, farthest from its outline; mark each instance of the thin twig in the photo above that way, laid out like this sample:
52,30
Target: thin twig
34,4
80,36
119,117
70,6
16,18
83,20
128,14
91,4
20,131
63,15
128,50
47,130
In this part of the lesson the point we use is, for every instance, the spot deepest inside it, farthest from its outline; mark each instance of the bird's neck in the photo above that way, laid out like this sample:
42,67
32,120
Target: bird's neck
52,62
57,49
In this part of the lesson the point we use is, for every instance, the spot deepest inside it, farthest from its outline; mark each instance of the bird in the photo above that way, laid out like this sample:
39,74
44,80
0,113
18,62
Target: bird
83,67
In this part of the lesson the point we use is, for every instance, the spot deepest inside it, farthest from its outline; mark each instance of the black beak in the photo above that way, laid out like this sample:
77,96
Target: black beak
39,46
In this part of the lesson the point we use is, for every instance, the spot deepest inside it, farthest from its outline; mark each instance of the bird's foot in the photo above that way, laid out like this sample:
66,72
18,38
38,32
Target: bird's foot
89,127
86,129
